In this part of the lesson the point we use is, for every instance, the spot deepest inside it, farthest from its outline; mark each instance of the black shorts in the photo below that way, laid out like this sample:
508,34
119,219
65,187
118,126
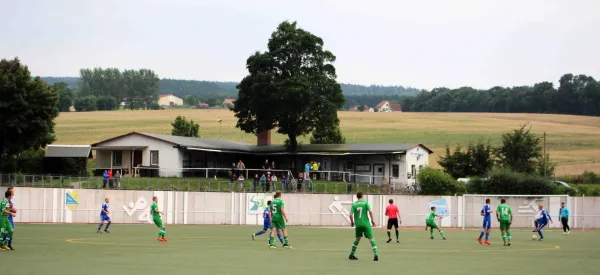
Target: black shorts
392,222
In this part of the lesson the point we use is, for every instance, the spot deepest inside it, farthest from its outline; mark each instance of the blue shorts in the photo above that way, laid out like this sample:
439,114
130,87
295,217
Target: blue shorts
541,225
12,223
267,226
104,218
487,224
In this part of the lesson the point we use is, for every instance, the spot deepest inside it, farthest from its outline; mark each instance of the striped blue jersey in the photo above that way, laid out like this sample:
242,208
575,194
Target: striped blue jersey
10,217
266,219
104,208
485,211
544,217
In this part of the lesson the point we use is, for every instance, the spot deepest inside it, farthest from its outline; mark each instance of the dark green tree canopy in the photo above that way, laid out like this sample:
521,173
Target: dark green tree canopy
28,107
66,97
185,128
291,87
521,150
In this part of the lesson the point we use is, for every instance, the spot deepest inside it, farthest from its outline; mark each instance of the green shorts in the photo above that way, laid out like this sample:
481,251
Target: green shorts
5,226
433,225
158,222
367,231
279,224
504,225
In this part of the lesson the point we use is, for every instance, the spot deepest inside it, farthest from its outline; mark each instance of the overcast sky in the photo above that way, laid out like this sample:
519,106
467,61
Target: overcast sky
418,43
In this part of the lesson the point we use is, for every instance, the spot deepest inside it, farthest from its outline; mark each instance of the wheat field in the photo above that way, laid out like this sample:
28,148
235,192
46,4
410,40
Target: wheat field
572,141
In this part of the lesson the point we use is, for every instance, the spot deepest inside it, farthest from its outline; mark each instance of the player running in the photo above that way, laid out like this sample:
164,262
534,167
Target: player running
6,230
505,217
278,218
542,221
267,224
157,220
563,216
104,216
430,222
393,220
358,213
486,212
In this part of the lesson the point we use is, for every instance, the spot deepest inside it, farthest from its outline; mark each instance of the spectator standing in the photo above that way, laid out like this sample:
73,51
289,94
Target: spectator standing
110,178
118,179
284,183
240,183
315,168
300,181
265,165
233,168
241,167
263,180
255,183
274,181
269,181
231,182
307,170
104,179
272,167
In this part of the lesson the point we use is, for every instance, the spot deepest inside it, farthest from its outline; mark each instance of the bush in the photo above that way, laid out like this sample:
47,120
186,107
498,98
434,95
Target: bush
504,181
592,190
86,104
106,103
436,182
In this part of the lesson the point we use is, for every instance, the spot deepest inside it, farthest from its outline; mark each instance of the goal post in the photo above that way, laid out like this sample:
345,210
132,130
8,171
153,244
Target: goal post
524,208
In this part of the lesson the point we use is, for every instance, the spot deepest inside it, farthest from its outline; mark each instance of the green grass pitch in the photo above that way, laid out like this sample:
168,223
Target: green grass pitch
133,249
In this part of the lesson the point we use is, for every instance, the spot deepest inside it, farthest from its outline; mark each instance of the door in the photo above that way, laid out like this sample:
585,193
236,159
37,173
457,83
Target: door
137,158
378,173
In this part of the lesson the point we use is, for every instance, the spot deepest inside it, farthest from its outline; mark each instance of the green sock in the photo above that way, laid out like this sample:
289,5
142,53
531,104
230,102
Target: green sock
442,233
509,235
271,241
504,236
354,247
285,240
431,232
374,245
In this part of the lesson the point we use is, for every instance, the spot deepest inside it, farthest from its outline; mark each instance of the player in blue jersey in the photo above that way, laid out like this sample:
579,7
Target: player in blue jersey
267,224
542,220
486,212
104,216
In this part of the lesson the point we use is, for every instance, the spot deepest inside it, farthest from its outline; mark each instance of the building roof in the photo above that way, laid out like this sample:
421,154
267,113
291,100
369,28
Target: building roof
396,107
229,101
381,104
213,145
68,151
165,95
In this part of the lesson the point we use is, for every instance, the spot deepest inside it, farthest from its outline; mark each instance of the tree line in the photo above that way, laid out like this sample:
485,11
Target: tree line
575,95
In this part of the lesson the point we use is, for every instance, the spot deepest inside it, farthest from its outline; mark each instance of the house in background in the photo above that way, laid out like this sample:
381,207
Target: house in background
357,108
169,100
385,106
228,102
202,106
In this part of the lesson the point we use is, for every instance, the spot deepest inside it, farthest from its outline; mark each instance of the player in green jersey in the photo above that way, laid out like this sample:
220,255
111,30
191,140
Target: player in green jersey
358,214
157,220
430,222
6,230
505,217
278,220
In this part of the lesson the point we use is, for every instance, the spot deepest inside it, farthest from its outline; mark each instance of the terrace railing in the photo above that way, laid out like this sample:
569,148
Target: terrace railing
210,184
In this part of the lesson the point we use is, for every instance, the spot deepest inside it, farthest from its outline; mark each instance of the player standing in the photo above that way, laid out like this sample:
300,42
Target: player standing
13,213
486,212
278,218
6,230
505,217
542,220
430,222
358,213
393,220
157,220
563,216
104,216
267,224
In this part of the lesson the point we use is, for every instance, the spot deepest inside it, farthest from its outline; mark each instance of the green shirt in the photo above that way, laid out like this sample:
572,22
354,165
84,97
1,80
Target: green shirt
359,210
153,211
504,212
4,206
431,216
276,206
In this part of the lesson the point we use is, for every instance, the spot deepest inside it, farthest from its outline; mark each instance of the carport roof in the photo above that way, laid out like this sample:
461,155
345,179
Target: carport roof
68,151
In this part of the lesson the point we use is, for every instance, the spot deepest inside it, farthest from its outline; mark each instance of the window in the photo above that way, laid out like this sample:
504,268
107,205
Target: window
153,157
349,165
117,158
413,170
395,170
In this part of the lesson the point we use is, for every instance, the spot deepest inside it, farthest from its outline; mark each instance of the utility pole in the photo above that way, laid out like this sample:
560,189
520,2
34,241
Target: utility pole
545,163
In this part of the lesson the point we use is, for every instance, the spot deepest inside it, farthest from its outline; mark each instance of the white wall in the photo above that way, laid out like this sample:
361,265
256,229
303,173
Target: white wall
49,205
168,157
166,101
412,159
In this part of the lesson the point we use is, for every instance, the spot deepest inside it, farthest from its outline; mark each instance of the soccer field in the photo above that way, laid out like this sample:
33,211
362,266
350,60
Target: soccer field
132,249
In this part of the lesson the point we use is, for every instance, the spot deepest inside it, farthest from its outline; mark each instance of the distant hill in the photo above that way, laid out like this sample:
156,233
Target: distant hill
204,89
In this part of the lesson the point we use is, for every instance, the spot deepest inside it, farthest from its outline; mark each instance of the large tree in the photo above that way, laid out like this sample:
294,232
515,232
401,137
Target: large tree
28,107
292,86
520,151
66,97
185,128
